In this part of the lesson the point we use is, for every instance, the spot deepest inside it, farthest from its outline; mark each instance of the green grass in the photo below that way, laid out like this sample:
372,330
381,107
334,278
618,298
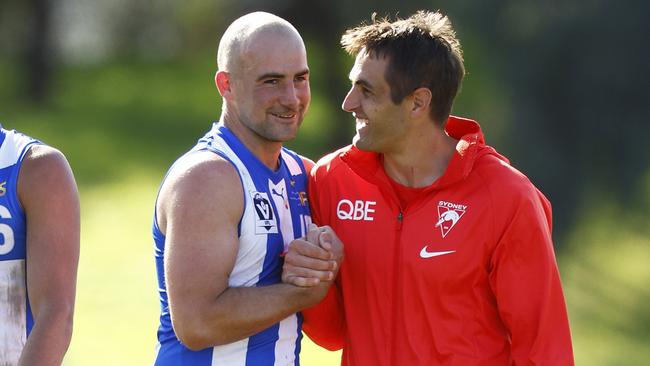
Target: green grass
116,309
606,274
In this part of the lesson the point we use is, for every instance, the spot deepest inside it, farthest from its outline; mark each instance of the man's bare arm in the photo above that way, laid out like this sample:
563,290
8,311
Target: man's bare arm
48,194
199,209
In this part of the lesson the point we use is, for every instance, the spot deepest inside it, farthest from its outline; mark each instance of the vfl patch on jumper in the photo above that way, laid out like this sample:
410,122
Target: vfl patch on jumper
265,220
448,216
3,188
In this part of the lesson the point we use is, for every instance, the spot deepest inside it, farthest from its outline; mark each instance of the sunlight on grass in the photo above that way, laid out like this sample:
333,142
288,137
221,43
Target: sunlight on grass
605,276
117,309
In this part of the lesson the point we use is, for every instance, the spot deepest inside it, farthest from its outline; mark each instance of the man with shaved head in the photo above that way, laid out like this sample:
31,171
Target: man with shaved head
228,209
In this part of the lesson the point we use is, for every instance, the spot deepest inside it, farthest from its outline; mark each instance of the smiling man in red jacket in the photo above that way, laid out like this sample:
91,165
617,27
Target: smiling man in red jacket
448,251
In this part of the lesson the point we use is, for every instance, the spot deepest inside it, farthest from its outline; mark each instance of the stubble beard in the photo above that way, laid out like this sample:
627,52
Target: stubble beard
276,132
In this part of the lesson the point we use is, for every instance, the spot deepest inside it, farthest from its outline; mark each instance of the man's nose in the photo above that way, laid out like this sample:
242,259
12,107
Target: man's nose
351,101
290,96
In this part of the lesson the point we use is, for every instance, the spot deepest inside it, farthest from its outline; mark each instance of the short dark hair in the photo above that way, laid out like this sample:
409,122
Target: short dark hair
422,51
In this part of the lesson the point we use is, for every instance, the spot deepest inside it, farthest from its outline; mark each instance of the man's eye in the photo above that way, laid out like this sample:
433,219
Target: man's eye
271,81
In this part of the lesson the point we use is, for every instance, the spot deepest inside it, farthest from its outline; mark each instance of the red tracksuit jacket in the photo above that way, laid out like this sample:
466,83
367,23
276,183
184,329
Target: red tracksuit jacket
464,275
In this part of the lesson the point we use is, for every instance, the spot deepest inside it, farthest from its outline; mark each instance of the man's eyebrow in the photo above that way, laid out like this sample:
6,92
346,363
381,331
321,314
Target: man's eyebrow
277,75
271,75
363,83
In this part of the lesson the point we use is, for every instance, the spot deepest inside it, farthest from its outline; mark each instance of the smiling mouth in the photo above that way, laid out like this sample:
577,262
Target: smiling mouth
284,115
360,119
362,122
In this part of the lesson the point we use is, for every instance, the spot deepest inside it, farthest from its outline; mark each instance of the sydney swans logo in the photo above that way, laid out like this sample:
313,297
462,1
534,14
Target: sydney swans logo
448,215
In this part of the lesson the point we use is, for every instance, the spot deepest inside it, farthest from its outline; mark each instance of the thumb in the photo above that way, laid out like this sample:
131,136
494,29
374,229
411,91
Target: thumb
312,234
325,240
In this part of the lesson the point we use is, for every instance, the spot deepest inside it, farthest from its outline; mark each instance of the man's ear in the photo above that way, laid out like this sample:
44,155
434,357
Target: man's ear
421,102
222,80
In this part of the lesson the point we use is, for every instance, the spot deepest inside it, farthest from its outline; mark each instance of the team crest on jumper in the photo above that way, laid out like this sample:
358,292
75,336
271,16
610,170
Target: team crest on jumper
448,216
303,198
265,221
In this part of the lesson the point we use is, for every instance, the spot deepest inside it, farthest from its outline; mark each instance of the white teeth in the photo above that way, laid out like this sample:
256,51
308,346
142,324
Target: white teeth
284,115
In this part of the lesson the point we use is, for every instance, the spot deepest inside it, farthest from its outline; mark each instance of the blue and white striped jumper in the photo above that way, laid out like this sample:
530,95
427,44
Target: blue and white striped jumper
276,211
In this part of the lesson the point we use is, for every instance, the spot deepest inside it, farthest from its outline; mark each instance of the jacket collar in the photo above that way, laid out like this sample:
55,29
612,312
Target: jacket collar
470,146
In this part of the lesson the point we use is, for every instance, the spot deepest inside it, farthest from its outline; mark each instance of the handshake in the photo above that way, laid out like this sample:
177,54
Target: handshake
314,260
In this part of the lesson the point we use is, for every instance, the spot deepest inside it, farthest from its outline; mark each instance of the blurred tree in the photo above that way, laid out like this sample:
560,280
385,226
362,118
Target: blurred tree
580,94
25,40
38,53
318,22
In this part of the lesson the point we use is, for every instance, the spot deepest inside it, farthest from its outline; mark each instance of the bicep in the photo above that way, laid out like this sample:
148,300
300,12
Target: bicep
49,196
201,211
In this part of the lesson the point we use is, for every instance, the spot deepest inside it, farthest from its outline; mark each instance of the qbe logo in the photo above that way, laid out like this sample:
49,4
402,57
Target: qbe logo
357,210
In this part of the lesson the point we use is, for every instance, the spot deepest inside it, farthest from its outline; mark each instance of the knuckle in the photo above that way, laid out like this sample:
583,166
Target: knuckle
289,258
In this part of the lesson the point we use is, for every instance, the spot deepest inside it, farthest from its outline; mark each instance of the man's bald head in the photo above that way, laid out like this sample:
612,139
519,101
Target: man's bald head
245,32
263,78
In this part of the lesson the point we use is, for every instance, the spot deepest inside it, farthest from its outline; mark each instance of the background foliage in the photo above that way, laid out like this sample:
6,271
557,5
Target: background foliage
124,87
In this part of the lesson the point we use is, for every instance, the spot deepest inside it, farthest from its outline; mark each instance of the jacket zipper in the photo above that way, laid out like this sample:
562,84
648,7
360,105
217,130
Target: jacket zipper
397,259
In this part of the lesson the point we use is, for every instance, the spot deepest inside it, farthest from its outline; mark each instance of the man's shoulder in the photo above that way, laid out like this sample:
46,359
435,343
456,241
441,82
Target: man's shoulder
198,178
200,167
199,173
42,152
42,161
503,179
14,146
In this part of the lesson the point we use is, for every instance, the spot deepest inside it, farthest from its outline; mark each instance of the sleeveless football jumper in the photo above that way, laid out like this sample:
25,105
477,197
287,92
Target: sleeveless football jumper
276,211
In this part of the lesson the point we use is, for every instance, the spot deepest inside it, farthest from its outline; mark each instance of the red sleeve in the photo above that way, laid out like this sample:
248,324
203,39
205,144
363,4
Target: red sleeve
325,322
526,282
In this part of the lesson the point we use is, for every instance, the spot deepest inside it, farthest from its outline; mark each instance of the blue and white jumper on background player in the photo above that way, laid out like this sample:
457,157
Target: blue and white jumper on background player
276,211
16,319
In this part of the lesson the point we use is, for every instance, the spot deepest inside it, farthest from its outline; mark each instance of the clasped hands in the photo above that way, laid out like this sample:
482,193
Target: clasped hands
313,260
